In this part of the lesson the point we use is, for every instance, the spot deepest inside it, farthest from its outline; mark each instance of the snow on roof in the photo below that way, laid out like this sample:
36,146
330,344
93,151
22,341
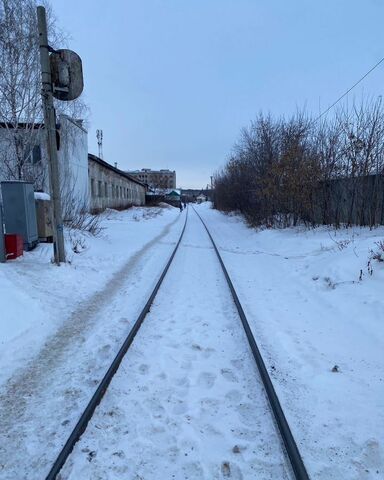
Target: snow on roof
174,191
164,191
42,196
105,164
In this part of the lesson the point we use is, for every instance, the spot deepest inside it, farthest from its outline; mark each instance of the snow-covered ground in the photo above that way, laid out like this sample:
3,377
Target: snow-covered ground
62,326
186,402
310,312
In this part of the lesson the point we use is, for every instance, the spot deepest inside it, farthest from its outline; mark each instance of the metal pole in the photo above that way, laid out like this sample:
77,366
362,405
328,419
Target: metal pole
50,128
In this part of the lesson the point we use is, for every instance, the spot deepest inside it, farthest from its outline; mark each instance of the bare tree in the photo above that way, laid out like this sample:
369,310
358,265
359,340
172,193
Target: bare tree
20,85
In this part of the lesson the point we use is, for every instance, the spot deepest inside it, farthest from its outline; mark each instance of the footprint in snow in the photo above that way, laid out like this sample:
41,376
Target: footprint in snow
208,352
143,369
209,405
182,382
104,351
194,469
234,396
238,363
231,470
180,407
206,379
228,374
246,412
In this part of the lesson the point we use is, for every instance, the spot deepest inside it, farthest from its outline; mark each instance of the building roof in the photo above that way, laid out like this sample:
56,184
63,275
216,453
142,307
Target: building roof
23,125
173,192
101,162
37,125
165,192
148,170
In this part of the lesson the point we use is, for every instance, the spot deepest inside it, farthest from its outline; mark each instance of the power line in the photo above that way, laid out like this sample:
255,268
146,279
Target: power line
346,93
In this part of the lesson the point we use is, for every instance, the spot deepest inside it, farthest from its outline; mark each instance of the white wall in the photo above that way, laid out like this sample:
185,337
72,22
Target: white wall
73,160
72,157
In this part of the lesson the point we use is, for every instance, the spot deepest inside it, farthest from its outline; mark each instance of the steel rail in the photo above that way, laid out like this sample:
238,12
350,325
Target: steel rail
102,388
291,448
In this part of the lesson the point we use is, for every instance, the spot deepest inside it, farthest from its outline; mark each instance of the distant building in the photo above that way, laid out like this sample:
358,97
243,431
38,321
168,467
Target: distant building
167,195
191,195
201,198
111,187
155,178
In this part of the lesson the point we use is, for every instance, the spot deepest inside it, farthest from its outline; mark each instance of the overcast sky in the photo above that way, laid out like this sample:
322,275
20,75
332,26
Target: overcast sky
171,82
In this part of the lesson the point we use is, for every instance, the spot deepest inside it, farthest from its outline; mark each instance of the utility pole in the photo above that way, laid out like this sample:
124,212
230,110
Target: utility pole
50,128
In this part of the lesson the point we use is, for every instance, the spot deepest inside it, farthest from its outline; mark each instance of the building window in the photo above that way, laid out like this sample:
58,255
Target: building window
121,192
92,187
105,190
36,154
99,189
33,156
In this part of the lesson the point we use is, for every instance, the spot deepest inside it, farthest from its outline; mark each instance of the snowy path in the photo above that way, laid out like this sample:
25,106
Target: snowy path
187,401
40,404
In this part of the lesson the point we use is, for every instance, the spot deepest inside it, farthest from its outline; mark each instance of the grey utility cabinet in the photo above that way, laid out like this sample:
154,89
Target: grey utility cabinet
2,246
19,211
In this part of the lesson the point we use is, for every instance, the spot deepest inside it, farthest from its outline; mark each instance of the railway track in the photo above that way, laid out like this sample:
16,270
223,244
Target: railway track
287,443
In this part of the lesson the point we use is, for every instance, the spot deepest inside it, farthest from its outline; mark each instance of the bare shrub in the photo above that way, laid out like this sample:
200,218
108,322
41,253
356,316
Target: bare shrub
86,222
378,254
285,171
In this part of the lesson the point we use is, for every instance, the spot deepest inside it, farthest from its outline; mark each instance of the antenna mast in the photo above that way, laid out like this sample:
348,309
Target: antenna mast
99,136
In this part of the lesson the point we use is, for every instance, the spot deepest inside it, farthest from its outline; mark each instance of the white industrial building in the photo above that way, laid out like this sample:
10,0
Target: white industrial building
87,182
23,156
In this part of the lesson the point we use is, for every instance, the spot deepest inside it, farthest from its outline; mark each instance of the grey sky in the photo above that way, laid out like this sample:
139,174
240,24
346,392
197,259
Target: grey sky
171,82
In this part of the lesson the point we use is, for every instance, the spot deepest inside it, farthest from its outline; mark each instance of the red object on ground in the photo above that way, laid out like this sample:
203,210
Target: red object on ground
13,245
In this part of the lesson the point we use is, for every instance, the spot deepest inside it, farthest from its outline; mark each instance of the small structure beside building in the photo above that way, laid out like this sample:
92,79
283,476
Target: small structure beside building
201,198
155,179
20,211
44,217
111,187
172,196
194,195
